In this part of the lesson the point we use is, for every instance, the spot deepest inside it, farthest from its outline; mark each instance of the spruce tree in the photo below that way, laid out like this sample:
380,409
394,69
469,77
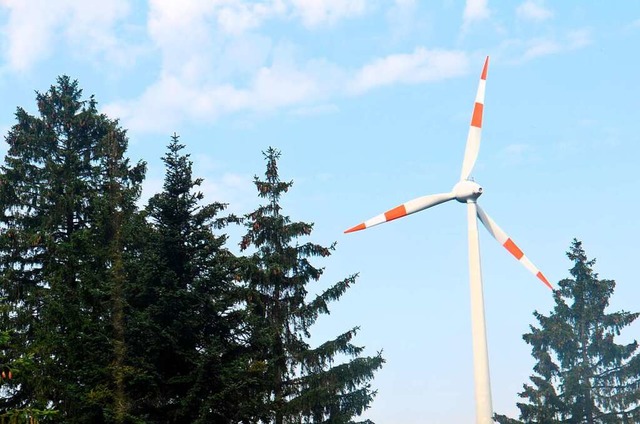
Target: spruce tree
183,303
581,374
294,382
67,193
7,369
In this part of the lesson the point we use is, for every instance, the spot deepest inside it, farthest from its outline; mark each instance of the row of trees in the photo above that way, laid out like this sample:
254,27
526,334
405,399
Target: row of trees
116,313
113,313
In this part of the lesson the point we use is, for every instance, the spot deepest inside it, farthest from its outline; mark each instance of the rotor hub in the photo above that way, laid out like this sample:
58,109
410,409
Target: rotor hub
466,191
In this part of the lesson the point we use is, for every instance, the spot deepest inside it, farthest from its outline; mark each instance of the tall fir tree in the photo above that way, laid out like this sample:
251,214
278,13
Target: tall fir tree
65,195
294,382
581,374
184,304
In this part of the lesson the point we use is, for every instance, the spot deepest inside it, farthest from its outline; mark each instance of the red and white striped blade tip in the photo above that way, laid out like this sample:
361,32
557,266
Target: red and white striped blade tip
404,209
356,228
485,69
472,147
510,245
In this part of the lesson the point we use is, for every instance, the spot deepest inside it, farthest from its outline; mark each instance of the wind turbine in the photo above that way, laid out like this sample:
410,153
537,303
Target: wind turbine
468,191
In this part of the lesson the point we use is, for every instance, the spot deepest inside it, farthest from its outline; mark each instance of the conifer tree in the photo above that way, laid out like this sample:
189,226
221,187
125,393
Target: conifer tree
581,374
66,193
294,382
183,303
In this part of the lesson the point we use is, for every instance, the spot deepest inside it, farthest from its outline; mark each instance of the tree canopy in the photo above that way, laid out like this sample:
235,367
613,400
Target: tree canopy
581,374
301,383
118,312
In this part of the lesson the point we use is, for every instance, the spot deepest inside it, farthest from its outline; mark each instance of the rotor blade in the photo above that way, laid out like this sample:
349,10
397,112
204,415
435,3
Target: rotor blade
475,130
404,209
508,244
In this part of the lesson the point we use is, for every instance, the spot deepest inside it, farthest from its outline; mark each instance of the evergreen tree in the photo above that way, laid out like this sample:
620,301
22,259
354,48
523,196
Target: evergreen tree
183,303
581,374
293,382
66,194
7,369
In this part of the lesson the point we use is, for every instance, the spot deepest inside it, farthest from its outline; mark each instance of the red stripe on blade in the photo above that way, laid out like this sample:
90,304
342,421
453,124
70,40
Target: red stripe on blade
356,228
544,280
485,69
476,119
513,249
395,213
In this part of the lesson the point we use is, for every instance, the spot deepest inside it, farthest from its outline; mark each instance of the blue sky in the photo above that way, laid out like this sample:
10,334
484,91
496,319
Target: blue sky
370,101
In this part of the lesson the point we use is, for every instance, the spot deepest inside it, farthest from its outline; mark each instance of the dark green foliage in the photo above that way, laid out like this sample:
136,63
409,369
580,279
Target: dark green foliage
581,374
111,314
182,303
296,383
66,194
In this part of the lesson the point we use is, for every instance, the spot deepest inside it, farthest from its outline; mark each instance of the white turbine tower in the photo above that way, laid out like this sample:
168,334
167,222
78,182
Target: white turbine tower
467,191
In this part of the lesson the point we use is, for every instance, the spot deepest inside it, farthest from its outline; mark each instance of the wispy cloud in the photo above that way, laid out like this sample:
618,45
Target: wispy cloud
230,188
185,94
172,99
37,28
516,154
533,11
214,59
216,62
234,189
474,11
403,19
420,66
313,110
525,50
34,27
317,12
238,17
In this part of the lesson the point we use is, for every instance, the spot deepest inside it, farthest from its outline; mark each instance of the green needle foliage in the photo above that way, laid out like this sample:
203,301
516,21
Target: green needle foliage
66,197
113,314
294,382
183,304
581,374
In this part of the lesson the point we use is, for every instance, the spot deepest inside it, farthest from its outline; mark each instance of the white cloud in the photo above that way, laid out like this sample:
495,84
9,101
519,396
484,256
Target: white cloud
215,62
94,23
284,83
533,11
180,30
541,47
29,32
420,66
321,109
317,12
237,190
578,39
171,100
474,11
516,154
403,18
150,187
35,26
240,17
235,17
525,50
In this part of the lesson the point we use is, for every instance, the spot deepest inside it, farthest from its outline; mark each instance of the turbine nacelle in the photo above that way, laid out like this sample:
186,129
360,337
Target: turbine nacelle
467,191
